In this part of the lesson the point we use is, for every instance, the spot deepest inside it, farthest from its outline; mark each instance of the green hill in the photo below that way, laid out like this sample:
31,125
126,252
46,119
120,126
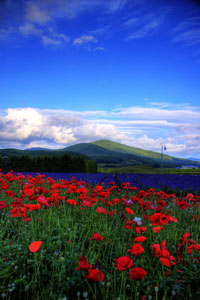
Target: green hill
109,155
37,152
121,148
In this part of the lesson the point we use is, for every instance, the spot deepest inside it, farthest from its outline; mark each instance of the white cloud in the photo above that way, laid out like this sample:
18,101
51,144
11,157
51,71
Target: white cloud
44,11
99,49
84,39
145,127
29,29
36,14
49,37
144,30
188,31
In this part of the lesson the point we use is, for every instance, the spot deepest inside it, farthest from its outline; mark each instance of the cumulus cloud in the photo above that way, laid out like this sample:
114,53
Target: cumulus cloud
144,127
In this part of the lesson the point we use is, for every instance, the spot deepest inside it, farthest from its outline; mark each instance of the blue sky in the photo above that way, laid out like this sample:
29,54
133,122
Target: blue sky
82,70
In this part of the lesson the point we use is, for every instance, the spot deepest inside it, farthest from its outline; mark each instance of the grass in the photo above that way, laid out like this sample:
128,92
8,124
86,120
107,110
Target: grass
140,169
98,226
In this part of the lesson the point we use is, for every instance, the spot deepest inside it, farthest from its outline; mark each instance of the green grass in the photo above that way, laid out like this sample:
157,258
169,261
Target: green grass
141,169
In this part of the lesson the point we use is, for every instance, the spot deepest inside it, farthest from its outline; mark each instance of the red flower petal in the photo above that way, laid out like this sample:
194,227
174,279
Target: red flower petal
35,246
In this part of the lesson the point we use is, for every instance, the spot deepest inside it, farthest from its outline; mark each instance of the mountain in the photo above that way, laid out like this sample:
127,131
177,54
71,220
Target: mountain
109,154
37,148
112,154
121,148
38,152
195,159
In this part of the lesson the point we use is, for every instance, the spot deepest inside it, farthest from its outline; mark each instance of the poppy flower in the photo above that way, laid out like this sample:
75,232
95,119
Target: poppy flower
137,273
101,210
140,239
2,204
157,228
129,211
35,246
123,262
165,261
96,236
95,275
136,249
83,265
28,192
156,249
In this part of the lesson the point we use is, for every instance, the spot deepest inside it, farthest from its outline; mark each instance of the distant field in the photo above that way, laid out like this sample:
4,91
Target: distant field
147,170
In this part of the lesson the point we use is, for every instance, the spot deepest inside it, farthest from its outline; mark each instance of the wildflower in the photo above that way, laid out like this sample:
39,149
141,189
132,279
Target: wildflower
83,265
95,275
137,273
2,204
140,239
123,262
136,249
35,246
129,202
96,236
156,249
101,210
129,211
138,221
157,228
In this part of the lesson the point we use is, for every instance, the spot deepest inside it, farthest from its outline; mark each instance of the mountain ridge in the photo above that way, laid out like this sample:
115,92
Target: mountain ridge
108,153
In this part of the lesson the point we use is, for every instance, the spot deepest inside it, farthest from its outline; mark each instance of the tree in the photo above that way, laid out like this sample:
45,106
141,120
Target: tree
66,164
91,166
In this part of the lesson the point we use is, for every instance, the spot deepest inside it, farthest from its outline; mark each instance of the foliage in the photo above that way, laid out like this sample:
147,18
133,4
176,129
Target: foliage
64,163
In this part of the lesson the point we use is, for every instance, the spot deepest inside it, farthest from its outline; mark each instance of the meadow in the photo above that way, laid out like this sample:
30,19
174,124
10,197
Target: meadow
77,239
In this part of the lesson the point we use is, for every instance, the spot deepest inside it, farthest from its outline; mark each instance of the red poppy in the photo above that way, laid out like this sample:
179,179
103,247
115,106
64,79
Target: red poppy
138,230
129,225
10,193
101,210
123,262
95,275
72,202
96,236
83,265
28,192
2,204
35,246
113,212
165,261
129,211
156,249
193,246
137,273
182,204
157,228
136,249
164,219
140,239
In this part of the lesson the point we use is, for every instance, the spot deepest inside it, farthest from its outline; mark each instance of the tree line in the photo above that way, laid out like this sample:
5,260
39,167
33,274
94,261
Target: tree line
59,164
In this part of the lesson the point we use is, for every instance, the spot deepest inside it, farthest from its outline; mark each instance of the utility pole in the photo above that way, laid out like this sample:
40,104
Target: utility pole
163,148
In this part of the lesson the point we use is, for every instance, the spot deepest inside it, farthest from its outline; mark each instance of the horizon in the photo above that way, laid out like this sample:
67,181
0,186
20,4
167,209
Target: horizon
81,71
41,148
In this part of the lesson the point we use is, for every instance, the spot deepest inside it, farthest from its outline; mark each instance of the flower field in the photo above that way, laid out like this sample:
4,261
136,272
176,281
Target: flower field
104,238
